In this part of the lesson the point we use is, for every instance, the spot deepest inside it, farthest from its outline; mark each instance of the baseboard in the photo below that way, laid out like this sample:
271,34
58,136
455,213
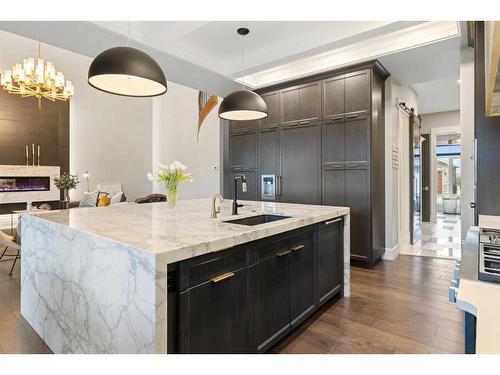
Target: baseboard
392,253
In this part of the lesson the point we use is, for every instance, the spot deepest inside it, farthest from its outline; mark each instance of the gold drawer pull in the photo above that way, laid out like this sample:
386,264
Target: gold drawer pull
299,247
224,276
283,253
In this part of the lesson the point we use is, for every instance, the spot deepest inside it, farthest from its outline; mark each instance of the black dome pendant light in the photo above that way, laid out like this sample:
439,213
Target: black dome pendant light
243,105
127,71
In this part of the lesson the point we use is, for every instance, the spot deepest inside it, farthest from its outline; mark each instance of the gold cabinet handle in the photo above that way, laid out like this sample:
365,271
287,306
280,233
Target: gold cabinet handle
298,248
224,276
283,253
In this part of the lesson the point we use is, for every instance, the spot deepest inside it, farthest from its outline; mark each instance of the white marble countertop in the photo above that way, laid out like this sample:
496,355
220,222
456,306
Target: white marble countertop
187,231
482,300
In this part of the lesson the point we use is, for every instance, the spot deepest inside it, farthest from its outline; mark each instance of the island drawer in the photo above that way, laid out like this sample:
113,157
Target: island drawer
210,267
279,245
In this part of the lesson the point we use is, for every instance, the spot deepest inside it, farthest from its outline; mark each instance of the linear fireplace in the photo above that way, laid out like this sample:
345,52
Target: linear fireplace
24,184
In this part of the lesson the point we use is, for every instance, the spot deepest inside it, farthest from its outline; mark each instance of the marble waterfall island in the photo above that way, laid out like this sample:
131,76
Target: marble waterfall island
94,280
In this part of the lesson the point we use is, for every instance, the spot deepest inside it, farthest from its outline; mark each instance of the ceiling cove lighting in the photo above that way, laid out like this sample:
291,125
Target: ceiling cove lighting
127,71
365,50
243,105
38,79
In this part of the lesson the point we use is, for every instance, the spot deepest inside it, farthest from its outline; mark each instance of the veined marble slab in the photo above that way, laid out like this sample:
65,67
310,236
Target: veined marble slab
94,280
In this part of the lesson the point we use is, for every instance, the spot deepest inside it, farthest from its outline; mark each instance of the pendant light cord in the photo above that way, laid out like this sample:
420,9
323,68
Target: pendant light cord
128,33
243,61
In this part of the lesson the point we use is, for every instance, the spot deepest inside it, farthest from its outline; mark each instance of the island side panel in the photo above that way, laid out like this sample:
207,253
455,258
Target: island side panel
85,294
347,255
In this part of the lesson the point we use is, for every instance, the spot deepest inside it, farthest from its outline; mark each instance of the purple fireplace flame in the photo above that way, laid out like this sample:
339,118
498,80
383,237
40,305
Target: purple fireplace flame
17,184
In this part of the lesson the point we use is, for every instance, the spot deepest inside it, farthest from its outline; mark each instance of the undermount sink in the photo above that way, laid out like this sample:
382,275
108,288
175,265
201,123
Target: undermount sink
258,219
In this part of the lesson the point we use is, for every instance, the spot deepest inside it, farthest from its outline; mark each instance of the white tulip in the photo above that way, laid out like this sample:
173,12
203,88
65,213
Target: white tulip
162,166
150,176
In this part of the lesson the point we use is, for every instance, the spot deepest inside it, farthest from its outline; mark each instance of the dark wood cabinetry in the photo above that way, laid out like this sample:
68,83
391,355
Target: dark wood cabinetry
269,285
245,299
330,252
357,97
273,115
301,103
268,151
302,300
357,197
328,137
290,105
243,149
243,158
252,184
214,315
300,159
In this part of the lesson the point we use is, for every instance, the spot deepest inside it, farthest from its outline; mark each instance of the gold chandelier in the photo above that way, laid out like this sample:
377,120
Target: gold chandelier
39,80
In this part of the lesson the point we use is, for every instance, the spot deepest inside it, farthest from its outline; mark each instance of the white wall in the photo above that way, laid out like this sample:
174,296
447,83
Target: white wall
110,136
175,123
467,136
120,139
394,192
439,120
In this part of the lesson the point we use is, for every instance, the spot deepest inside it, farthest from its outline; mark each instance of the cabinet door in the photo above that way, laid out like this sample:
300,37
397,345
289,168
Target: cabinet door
333,142
273,113
310,102
290,105
213,316
334,187
333,97
301,278
357,138
358,199
252,192
330,259
243,125
300,164
243,149
357,91
270,295
268,146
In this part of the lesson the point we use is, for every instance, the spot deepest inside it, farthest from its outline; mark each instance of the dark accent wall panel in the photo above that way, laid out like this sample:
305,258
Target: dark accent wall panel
487,132
22,123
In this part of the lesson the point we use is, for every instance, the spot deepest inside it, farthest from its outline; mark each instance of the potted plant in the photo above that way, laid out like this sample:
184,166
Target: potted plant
171,176
65,182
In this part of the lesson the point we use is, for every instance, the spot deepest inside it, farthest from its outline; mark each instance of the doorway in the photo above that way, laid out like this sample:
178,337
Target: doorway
439,168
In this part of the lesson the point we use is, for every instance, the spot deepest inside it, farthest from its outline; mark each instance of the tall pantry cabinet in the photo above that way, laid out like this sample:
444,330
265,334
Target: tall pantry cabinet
324,140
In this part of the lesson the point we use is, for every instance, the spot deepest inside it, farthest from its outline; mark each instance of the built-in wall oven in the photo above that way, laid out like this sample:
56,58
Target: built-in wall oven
489,255
268,186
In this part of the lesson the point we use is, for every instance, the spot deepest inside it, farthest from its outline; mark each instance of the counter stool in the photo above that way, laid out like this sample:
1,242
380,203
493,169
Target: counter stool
8,242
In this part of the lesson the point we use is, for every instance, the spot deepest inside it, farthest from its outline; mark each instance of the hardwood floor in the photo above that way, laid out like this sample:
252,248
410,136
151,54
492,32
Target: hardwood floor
397,307
16,335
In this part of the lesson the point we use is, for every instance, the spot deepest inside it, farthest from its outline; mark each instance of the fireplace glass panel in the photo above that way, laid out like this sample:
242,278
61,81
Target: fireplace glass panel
17,184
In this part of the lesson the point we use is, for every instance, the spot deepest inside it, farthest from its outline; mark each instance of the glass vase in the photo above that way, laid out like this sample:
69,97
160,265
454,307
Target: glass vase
66,195
172,196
